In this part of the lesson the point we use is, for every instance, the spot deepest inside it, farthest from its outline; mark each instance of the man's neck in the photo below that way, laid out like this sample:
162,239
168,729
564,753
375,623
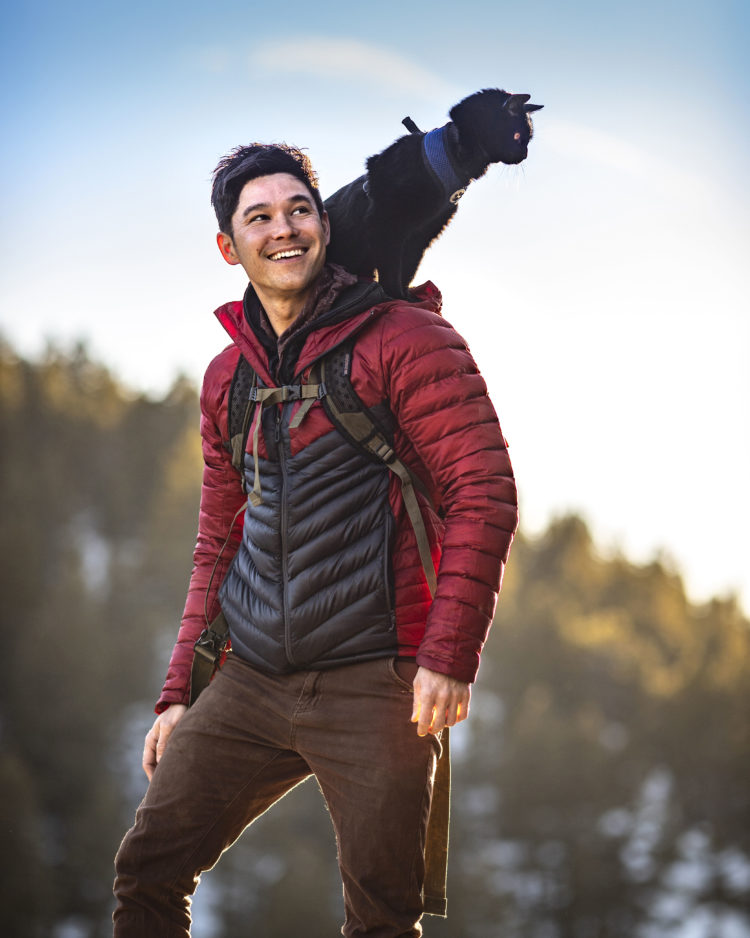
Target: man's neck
282,311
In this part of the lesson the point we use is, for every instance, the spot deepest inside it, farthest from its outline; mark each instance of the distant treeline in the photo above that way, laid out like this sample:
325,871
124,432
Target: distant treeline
601,785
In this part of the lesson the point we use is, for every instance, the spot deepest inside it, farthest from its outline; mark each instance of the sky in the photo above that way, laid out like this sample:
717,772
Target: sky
602,285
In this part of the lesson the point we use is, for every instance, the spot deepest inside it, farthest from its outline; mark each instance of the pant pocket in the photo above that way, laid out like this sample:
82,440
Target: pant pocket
401,673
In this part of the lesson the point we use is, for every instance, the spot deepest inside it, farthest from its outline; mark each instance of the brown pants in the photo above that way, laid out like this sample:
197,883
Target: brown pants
247,741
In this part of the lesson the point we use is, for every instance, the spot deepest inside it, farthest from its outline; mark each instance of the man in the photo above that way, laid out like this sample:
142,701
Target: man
337,647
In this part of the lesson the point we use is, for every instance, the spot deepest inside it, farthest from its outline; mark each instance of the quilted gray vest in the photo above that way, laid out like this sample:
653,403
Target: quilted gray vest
311,585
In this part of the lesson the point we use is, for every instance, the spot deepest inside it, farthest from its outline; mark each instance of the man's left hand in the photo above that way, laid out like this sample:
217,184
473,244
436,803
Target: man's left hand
439,701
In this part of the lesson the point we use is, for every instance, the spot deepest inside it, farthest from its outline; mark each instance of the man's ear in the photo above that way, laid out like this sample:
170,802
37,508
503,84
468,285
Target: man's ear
226,246
326,223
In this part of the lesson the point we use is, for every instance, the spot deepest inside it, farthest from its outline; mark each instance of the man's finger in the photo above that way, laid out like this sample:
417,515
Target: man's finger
149,755
161,743
439,712
451,712
429,717
462,710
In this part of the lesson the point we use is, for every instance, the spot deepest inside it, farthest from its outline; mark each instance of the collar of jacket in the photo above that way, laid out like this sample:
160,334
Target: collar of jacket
354,307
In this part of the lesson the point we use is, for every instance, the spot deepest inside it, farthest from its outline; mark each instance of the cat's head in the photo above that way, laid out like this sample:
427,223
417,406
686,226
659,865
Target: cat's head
495,124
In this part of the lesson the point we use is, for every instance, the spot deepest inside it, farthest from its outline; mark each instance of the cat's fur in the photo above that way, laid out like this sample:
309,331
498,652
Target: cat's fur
386,219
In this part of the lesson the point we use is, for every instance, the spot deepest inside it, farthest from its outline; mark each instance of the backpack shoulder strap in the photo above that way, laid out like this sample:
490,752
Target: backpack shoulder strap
245,393
362,426
370,433
240,407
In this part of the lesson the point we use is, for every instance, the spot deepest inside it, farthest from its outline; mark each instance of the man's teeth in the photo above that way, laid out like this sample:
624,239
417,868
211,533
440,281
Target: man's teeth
281,254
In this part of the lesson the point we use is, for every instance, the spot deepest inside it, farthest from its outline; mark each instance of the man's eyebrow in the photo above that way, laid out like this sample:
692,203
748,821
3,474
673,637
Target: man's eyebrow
260,206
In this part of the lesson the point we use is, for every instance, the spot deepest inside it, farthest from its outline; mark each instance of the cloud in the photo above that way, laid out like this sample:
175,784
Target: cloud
354,60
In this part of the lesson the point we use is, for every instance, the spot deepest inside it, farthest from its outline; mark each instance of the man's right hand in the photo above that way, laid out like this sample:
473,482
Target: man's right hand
158,736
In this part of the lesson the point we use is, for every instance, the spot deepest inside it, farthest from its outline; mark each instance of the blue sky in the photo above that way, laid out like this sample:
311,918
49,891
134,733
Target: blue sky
601,284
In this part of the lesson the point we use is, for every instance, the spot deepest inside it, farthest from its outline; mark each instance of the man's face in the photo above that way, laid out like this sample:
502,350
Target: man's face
278,237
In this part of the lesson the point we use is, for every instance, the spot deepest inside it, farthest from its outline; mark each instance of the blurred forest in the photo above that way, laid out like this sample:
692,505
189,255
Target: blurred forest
601,786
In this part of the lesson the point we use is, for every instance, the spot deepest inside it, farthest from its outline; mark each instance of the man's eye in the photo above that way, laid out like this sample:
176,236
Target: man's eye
254,218
301,210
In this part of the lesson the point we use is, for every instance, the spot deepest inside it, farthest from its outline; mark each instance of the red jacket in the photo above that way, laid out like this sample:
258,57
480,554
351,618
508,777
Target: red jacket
405,354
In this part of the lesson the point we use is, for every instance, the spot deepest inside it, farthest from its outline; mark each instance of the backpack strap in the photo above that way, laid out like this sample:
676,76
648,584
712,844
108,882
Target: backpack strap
245,393
358,424
240,409
307,393
330,382
207,652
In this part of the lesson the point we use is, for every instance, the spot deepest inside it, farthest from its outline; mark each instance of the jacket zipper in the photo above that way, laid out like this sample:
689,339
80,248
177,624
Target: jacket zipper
284,533
388,568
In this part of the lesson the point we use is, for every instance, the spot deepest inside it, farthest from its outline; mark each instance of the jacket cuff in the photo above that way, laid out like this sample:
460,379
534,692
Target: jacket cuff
171,697
454,670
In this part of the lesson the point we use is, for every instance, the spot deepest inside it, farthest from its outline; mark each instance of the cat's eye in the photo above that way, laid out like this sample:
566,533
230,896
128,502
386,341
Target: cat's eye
517,135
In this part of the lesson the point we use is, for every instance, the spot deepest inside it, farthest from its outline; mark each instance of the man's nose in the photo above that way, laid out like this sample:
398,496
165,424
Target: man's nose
283,226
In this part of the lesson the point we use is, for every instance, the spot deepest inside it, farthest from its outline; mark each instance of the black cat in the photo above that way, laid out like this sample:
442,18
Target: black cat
386,219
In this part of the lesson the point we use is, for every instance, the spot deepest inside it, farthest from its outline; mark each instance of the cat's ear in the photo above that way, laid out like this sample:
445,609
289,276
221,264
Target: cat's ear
515,102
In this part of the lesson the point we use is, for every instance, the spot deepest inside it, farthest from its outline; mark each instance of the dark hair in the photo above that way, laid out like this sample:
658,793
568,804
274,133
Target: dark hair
249,162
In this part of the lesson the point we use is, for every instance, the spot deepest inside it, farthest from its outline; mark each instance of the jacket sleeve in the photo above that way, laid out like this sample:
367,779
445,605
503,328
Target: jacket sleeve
440,402
219,530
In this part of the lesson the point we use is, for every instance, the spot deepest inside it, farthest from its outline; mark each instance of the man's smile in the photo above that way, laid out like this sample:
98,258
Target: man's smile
289,252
